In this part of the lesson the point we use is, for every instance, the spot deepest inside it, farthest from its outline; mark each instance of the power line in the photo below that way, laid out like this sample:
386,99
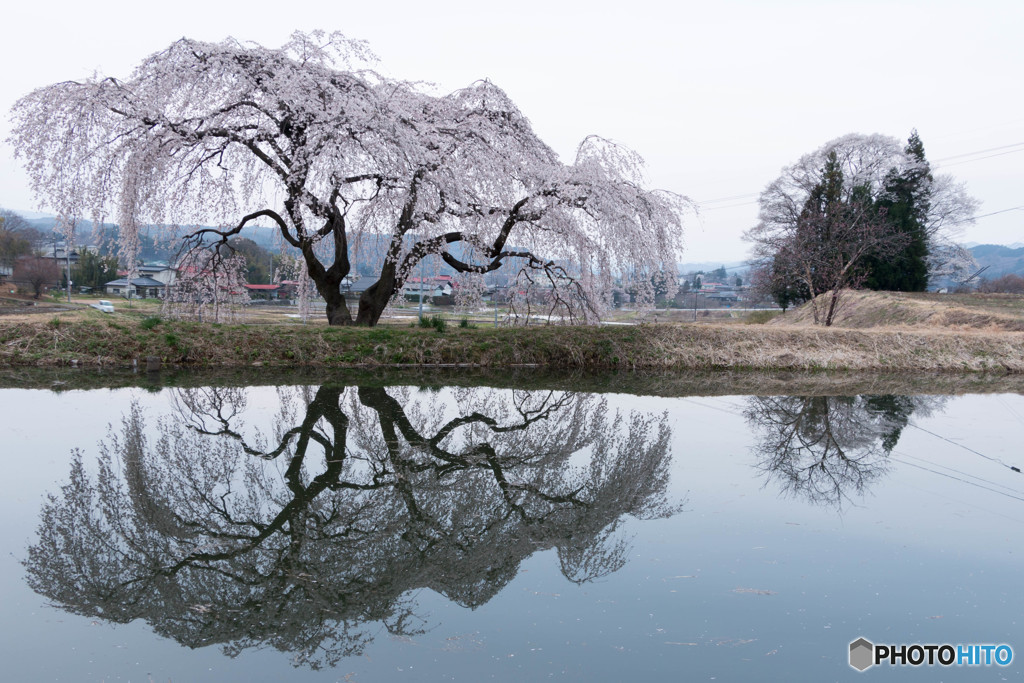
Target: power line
936,163
925,461
959,479
966,448
981,151
957,163
1012,208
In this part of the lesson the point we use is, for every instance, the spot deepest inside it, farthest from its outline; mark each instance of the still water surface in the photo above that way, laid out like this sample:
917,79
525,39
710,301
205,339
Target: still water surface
446,533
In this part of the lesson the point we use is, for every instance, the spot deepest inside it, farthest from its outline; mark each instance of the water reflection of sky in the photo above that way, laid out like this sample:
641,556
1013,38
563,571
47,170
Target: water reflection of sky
746,583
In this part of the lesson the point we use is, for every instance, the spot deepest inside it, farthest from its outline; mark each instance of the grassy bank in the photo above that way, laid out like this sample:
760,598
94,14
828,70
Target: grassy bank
94,339
922,310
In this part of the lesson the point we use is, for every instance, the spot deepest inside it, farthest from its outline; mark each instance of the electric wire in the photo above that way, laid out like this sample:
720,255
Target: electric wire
1017,416
985,215
1012,148
965,161
959,479
919,459
981,151
728,199
966,448
730,206
905,458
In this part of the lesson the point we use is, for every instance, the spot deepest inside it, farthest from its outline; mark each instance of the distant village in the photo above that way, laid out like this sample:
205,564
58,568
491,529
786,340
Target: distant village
52,264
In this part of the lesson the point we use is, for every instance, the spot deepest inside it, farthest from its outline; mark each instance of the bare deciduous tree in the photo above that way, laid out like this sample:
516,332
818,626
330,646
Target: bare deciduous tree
1007,284
821,250
37,273
829,449
16,237
821,218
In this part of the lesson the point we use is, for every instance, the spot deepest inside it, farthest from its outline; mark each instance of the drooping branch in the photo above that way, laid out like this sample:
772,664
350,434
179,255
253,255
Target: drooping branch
196,239
203,132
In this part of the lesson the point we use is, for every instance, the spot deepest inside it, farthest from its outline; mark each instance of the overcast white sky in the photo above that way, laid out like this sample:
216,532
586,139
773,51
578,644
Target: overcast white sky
718,96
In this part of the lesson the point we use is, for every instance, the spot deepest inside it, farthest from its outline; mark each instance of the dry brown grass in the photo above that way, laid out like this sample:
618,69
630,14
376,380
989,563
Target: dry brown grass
90,338
921,310
880,332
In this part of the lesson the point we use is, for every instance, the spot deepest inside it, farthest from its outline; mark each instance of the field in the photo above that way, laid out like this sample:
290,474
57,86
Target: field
876,332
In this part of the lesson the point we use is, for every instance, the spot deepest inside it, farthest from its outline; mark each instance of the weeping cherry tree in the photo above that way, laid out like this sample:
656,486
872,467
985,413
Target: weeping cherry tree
310,140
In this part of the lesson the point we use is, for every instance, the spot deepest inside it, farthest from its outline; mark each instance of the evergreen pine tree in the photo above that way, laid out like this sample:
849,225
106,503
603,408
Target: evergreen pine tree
905,201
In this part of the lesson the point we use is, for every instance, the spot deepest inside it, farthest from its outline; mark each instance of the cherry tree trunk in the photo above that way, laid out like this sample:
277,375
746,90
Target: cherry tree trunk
375,298
337,309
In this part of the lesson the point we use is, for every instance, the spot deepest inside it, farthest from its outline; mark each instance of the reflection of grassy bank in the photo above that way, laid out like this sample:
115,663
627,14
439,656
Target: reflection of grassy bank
648,383
93,339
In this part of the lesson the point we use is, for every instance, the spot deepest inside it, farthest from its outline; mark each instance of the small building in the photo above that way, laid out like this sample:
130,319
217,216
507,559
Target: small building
354,289
58,251
724,298
440,286
264,292
289,289
138,288
160,272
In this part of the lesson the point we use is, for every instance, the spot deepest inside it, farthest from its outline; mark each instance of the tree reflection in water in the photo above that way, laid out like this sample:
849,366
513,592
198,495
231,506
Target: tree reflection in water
307,538
826,449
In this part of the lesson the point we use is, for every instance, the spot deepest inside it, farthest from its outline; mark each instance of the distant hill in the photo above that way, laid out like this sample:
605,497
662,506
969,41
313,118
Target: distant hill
366,258
1001,260
731,267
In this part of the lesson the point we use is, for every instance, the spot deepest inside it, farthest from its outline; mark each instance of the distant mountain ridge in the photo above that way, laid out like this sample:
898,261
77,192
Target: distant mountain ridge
732,267
1001,260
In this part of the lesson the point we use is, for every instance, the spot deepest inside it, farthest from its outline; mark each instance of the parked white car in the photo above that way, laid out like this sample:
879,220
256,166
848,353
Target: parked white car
103,305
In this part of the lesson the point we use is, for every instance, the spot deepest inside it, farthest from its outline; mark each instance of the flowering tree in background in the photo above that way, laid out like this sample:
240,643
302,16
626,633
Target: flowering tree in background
861,207
469,292
330,152
209,286
826,247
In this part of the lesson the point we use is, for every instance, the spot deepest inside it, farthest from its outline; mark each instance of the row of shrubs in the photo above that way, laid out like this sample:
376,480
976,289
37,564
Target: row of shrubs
440,324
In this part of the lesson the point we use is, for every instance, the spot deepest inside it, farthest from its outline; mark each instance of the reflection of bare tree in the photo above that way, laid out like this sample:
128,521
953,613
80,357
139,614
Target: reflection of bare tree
306,538
825,448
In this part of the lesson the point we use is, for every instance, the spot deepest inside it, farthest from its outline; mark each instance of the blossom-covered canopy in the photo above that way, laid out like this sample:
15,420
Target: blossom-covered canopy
330,151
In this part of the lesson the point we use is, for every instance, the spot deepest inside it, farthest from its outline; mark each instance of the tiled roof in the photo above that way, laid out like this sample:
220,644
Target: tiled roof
138,282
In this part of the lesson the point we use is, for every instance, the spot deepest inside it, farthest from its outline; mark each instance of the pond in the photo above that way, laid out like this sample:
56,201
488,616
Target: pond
415,528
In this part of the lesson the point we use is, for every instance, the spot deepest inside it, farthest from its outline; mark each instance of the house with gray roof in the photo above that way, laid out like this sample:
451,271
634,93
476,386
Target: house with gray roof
138,288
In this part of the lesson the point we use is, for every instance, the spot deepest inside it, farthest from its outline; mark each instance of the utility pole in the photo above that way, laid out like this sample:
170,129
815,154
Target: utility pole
55,261
421,287
69,238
